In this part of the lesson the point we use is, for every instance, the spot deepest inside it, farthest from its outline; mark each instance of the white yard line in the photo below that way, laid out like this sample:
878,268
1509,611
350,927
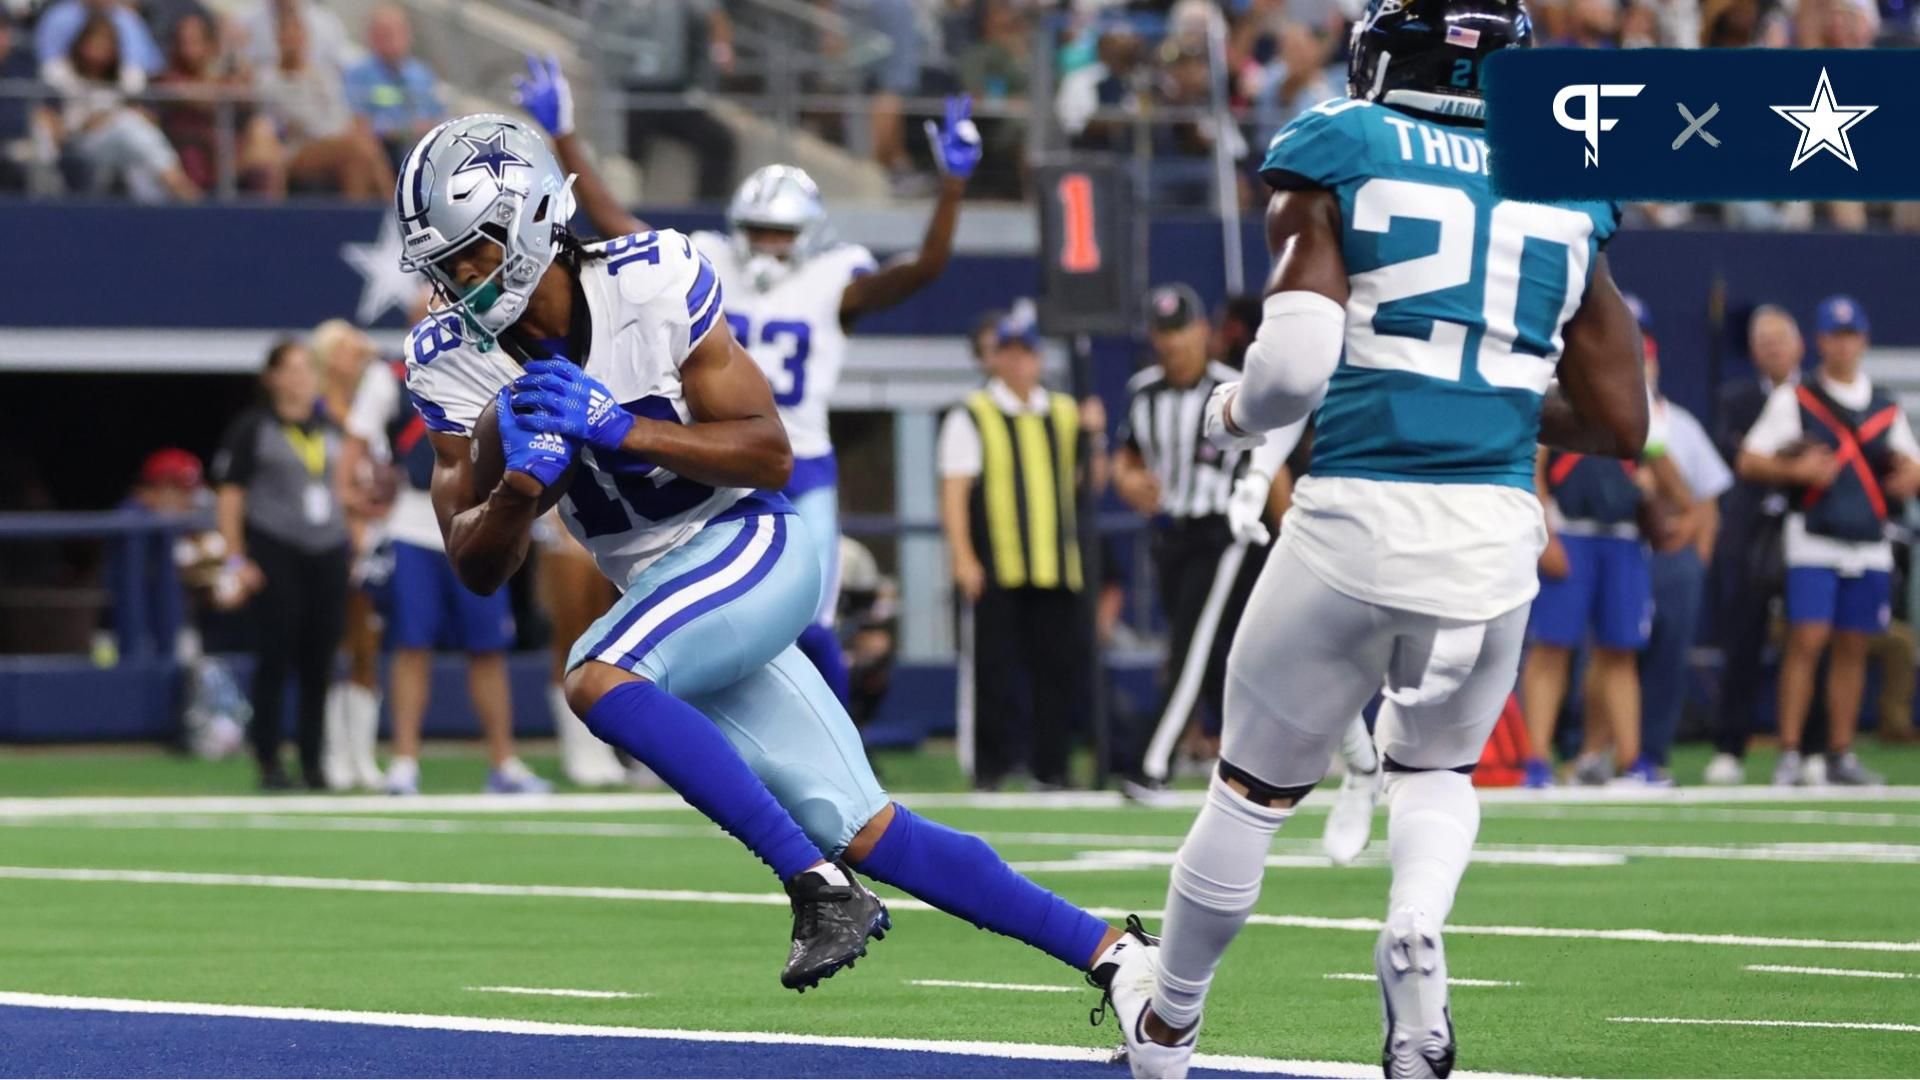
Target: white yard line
1123,860
1452,980
555,991
1846,973
1588,812
603,892
1070,800
1231,1063
961,984
1828,1025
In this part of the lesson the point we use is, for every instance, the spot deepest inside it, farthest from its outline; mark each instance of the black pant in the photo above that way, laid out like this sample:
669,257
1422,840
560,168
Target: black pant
1029,681
710,140
1188,563
298,617
1750,576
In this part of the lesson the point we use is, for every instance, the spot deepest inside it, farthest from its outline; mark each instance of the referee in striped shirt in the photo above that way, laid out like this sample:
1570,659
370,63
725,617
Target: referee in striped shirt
1167,471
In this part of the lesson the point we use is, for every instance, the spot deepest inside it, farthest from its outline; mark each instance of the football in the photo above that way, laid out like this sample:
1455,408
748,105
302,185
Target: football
490,462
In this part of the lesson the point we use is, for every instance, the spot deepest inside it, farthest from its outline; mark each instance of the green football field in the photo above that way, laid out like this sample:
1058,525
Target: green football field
1699,933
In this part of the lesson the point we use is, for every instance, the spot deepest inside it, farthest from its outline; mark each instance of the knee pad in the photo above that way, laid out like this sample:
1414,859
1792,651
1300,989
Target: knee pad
1259,791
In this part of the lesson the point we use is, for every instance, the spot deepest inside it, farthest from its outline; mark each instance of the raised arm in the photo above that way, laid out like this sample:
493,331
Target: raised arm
956,150
544,92
1600,403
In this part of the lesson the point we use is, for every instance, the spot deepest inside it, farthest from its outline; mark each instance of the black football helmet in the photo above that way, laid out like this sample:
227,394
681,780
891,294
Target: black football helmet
1425,55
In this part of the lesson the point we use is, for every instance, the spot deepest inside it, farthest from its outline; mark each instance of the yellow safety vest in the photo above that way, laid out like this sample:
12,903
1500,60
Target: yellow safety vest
1025,525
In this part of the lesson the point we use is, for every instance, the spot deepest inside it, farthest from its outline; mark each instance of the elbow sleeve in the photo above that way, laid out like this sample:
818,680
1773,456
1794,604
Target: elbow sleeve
1291,358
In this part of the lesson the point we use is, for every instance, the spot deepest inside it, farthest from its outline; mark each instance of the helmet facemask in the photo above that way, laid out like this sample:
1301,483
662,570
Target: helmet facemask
528,241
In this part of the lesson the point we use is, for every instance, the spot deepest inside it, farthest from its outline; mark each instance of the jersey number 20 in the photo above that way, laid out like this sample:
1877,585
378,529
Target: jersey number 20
1510,355
796,337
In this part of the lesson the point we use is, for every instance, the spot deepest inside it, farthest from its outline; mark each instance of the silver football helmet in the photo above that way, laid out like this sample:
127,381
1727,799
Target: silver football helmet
779,197
482,177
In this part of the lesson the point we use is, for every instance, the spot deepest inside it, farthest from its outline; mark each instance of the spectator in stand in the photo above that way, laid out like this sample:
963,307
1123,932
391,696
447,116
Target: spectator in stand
1112,82
327,145
1184,147
1297,78
169,484
106,133
393,90
61,23
1749,575
192,124
895,76
279,511
329,43
674,44
1592,24
996,68
1845,448
25,128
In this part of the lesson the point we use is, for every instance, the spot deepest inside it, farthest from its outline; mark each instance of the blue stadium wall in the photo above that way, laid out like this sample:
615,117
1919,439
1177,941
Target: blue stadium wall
77,269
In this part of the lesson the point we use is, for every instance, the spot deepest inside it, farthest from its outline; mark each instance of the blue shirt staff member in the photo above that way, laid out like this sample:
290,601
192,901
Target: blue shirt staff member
1683,544
1844,449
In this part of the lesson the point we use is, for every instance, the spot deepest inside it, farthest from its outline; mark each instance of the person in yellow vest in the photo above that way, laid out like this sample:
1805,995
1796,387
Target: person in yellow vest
1012,459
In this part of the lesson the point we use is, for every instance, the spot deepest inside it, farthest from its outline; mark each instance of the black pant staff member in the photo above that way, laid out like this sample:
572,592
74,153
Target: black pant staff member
1011,463
281,517
1167,471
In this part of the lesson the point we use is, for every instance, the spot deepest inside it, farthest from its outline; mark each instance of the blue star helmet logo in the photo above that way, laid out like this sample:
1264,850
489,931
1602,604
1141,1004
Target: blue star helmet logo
489,154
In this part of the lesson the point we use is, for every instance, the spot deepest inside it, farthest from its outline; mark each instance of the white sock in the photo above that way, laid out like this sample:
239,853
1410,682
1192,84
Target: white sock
336,762
1215,882
1357,749
1432,818
831,873
363,731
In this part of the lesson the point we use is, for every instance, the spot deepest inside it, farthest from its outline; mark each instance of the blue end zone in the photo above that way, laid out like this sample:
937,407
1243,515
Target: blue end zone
83,1043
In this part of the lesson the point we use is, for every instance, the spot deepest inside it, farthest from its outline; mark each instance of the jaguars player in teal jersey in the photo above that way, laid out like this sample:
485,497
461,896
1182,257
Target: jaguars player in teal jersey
1423,320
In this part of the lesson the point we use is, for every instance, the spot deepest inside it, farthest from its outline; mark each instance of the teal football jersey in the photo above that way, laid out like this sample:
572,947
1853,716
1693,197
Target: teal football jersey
1457,298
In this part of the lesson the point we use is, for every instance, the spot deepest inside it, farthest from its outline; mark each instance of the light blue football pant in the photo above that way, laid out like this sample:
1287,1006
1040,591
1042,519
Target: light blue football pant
713,623
820,509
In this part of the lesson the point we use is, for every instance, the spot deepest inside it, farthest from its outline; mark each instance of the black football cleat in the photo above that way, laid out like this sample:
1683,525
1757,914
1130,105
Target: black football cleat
831,925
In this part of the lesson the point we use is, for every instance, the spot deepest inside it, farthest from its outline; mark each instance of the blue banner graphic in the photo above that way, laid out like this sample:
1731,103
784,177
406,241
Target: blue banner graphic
1704,125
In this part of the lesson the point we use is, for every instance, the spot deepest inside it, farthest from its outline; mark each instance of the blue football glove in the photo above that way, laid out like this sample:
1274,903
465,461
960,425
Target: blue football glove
540,454
555,396
546,95
956,146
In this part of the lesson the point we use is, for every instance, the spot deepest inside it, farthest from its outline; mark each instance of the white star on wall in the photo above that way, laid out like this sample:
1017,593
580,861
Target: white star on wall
1823,125
384,286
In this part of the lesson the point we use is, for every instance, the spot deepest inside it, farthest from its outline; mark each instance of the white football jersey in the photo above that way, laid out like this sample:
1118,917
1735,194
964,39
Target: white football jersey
792,329
650,299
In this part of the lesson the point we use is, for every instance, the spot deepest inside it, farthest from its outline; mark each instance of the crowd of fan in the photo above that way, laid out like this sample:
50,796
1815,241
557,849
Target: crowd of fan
112,96
137,95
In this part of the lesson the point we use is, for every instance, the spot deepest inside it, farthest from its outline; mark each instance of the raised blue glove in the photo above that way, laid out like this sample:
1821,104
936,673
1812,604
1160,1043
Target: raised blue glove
555,396
956,146
544,92
542,455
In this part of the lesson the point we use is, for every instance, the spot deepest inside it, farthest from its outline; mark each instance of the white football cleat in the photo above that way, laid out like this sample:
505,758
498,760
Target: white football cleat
1350,822
1725,770
1412,965
1129,991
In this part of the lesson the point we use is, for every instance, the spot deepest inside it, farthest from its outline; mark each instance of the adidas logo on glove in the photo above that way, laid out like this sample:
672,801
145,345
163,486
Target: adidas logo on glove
598,406
547,442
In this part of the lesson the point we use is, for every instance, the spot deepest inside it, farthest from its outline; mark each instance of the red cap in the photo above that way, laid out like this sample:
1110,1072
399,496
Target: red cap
171,467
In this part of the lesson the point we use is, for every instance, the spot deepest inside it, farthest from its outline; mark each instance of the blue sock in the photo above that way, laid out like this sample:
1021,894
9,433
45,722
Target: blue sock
822,646
675,740
962,876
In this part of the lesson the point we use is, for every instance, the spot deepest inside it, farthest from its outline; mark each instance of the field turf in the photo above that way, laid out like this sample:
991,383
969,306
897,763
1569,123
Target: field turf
428,907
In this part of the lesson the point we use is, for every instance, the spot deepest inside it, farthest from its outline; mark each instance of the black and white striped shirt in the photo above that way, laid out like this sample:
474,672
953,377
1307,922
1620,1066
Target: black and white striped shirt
1165,426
